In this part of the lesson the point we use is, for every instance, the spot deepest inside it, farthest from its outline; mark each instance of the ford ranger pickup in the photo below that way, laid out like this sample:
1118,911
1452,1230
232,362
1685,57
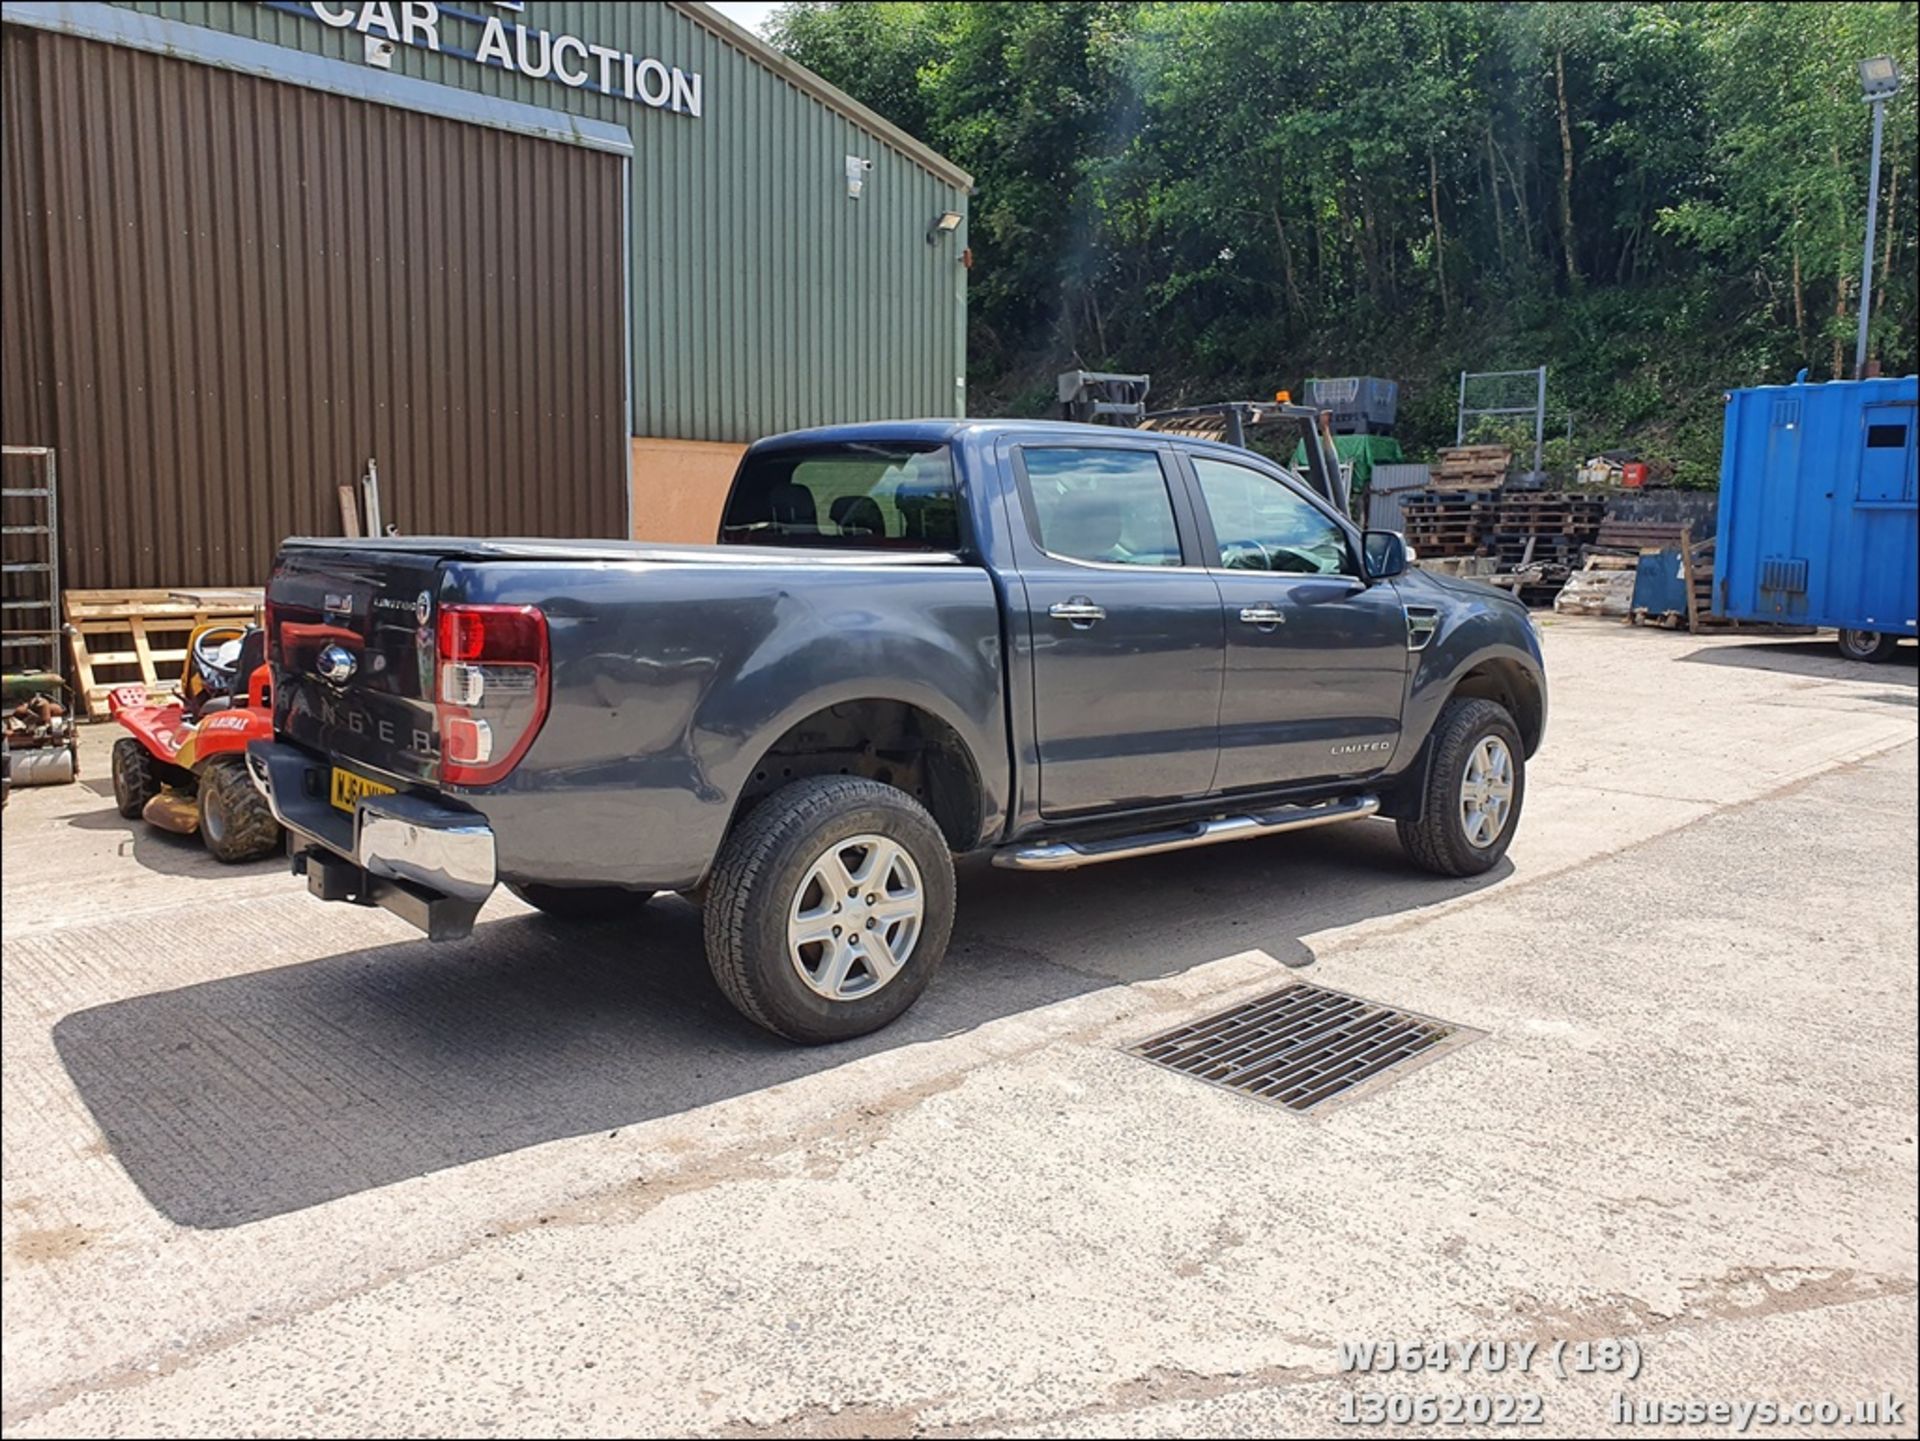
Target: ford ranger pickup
1054,644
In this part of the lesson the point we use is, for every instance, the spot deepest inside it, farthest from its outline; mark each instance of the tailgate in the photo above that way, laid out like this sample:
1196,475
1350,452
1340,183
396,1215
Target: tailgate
352,647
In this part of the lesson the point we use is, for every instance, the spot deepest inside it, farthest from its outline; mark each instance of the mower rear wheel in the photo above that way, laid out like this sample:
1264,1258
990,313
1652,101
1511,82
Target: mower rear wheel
235,820
135,777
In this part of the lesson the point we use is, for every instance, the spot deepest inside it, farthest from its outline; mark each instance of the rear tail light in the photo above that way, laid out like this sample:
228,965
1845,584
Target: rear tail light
491,689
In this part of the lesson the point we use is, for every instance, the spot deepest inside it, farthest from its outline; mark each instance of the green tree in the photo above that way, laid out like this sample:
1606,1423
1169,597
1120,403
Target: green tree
1657,200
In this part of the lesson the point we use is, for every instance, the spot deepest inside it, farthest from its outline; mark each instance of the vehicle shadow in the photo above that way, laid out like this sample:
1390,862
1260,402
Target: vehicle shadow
167,853
254,1095
1817,659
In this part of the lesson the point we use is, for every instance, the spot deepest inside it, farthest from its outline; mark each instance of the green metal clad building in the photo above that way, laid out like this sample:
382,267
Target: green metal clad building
550,265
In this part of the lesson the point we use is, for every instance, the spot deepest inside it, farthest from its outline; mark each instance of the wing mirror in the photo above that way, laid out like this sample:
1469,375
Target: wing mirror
1386,552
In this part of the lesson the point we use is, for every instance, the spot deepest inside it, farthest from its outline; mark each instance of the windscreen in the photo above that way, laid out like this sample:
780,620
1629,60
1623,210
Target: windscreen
888,495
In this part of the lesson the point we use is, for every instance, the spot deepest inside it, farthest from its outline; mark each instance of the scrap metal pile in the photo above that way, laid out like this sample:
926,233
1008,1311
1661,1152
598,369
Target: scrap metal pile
37,742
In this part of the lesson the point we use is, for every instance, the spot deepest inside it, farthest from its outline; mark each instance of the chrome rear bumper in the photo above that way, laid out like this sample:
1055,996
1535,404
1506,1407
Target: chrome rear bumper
429,863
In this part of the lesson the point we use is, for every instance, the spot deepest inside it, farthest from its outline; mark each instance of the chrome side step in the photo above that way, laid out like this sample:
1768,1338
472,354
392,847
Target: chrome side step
1065,855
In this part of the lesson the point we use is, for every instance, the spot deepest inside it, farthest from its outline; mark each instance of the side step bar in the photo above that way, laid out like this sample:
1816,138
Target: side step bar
1065,855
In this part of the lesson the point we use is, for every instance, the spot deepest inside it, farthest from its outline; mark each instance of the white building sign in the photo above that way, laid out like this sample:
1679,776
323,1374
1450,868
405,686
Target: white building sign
537,54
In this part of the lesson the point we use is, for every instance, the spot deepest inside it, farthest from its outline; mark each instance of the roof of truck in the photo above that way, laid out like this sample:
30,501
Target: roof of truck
939,430
936,428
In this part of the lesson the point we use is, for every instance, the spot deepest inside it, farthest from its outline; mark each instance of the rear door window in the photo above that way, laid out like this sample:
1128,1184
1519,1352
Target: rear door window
893,495
1107,505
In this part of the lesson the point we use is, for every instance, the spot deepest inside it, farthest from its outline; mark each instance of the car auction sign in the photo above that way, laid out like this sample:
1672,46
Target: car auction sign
538,54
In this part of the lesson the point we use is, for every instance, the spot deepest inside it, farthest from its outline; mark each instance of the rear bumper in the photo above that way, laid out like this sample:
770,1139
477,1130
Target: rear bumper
430,864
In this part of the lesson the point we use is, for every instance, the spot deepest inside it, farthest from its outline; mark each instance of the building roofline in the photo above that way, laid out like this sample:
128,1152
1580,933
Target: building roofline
741,38
230,50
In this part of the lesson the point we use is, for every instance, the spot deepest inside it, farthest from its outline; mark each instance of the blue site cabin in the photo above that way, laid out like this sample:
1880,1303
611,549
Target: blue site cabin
1818,510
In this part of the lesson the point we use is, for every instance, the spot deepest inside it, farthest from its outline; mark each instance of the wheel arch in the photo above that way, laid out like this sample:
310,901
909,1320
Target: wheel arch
1508,683
1493,675
897,742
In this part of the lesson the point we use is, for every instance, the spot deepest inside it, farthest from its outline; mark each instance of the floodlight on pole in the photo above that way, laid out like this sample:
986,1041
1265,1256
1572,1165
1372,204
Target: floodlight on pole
1879,82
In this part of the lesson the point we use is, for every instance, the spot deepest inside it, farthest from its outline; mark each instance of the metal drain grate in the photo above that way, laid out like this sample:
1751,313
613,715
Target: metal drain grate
1300,1046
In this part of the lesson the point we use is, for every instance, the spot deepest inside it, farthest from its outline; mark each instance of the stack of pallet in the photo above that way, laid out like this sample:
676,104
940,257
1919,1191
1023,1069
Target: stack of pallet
1632,537
1450,522
1546,528
1702,600
1472,467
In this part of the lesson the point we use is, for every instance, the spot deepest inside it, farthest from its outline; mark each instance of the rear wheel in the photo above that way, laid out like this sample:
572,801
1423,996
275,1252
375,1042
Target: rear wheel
135,781
582,903
829,908
235,821
1475,786
1868,645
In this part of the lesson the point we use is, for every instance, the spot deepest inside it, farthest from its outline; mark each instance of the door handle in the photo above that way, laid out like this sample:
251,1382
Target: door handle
1264,616
1081,611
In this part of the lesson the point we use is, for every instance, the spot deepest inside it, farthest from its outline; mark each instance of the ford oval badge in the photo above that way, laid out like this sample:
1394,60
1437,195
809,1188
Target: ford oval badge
337,664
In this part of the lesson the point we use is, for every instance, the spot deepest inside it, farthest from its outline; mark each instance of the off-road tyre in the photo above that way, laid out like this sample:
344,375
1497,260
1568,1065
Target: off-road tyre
1437,839
135,777
235,821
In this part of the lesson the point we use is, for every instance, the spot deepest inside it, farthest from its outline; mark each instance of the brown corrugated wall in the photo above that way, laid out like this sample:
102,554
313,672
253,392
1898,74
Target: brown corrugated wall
223,294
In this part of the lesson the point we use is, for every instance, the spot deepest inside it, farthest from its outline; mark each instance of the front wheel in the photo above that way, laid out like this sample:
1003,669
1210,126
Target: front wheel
236,823
829,908
134,779
1475,786
1867,645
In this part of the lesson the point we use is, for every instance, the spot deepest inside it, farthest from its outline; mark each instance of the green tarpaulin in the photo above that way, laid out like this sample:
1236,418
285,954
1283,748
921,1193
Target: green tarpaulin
1365,451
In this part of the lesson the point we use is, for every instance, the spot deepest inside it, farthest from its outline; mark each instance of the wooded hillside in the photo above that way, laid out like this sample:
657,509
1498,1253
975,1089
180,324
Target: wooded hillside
1657,201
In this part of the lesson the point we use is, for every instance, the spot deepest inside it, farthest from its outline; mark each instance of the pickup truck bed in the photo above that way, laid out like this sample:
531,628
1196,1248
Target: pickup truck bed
1055,643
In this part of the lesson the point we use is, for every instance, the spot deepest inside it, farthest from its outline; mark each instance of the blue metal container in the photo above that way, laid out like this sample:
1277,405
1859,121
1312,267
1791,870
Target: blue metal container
1818,506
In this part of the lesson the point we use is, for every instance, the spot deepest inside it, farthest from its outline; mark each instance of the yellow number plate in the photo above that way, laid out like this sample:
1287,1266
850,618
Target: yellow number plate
348,788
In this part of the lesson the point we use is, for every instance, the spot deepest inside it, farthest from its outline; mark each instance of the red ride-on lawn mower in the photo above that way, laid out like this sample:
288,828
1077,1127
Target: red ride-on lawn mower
184,766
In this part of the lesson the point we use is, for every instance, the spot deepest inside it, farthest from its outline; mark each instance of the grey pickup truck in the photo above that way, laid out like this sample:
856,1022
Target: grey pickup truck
1048,643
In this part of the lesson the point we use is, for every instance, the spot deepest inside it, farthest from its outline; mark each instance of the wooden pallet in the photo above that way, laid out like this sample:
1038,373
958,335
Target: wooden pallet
123,636
1600,591
1428,547
1472,466
1638,535
1452,523
1701,599
1631,537
1524,550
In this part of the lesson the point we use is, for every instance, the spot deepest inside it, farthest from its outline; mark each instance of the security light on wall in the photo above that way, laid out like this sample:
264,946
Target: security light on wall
944,224
1879,77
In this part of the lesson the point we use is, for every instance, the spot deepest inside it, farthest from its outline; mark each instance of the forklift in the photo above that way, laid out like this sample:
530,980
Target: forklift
1095,397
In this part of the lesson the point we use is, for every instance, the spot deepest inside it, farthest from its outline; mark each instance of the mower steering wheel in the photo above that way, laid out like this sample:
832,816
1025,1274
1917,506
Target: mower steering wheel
206,646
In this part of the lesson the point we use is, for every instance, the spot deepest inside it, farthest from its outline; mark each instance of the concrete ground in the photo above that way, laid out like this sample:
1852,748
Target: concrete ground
273,1167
